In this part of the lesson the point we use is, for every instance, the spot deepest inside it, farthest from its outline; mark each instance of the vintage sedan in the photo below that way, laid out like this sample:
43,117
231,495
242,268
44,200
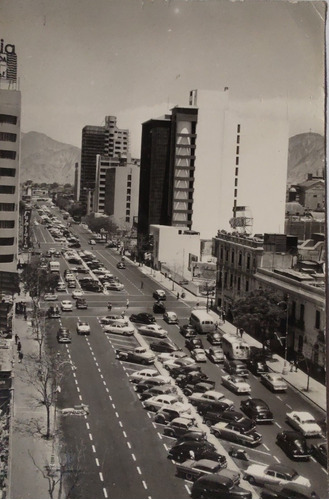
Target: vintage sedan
208,397
159,295
113,318
118,287
167,356
215,354
120,328
77,294
304,422
83,328
273,474
50,296
236,384
148,373
157,402
178,427
153,331
144,318
192,470
214,338
158,390
66,305
274,382
293,444
187,331
159,307
199,449
320,453
234,432
170,317
257,410
163,346
199,355
176,362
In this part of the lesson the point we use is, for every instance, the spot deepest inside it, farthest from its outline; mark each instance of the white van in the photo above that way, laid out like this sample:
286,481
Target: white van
202,321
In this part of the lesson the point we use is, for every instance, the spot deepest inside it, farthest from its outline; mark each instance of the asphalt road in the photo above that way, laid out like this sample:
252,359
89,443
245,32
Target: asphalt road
121,451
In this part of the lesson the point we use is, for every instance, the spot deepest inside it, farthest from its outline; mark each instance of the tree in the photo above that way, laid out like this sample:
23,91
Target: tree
37,280
259,313
98,223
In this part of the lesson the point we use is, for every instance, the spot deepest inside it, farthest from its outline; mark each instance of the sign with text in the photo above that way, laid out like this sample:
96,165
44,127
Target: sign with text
8,61
26,228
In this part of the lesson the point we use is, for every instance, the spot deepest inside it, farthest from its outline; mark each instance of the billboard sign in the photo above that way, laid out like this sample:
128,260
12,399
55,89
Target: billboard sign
26,228
8,61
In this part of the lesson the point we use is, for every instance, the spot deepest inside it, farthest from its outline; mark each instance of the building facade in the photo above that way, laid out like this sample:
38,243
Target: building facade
10,129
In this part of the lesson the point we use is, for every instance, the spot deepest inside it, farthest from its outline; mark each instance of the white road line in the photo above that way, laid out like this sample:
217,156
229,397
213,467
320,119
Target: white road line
96,362
280,426
154,425
134,458
78,389
120,423
166,447
324,470
275,458
290,407
117,414
139,471
101,476
107,389
105,492
113,405
80,397
124,433
93,448
129,445
159,435
266,447
187,489
110,398
74,374
87,425
279,398
149,414
97,462
144,484
312,458
90,436
76,381
101,376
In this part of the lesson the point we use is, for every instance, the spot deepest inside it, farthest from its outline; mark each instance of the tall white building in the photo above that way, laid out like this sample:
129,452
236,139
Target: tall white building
240,164
10,124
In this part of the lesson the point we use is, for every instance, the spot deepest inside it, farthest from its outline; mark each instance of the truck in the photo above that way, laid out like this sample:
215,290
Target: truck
137,355
54,266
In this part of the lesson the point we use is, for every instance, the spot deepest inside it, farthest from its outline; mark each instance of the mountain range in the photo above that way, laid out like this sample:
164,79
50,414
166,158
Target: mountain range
46,160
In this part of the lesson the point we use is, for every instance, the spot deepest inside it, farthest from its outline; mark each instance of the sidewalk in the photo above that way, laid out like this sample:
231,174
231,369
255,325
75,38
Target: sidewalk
316,392
25,478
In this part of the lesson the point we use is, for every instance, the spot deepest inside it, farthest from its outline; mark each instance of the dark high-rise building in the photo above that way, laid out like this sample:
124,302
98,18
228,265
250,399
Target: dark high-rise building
167,170
107,140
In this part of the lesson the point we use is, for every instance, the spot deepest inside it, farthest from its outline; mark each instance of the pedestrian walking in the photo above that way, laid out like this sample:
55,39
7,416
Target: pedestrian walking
25,316
109,306
296,365
177,295
142,285
20,356
127,304
19,346
241,331
223,316
16,338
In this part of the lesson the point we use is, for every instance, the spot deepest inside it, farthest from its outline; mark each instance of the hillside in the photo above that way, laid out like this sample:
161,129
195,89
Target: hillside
46,160
306,156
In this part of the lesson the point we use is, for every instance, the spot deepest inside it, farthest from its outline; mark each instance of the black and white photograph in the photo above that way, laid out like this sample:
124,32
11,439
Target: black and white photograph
163,249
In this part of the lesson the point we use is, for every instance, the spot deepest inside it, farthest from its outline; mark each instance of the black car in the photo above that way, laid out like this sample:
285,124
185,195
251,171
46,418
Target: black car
320,453
188,331
293,444
257,366
121,265
144,318
157,390
159,295
289,490
195,435
159,307
217,406
257,410
191,378
166,415
199,450
145,385
198,387
214,338
217,486
193,343
234,367
162,346
212,417
177,371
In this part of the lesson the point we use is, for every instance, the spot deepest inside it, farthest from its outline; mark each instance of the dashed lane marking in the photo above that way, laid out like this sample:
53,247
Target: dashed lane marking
188,489
139,471
279,398
278,425
290,407
90,436
154,425
124,433
133,457
129,445
275,458
144,484
105,492
101,476
266,447
78,389
113,405
93,448
120,423
165,446
107,389
117,414
87,425
80,397
97,462
159,435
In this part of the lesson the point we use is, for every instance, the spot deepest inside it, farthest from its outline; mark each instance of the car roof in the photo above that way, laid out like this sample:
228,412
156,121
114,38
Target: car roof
213,478
303,414
258,402
181,420
284,469
205,462
292,435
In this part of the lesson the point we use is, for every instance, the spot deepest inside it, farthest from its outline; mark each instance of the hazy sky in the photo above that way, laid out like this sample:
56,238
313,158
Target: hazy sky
80,60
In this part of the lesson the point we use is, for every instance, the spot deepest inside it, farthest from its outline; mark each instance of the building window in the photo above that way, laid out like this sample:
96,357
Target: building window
236,171
7,224
7,189
239,284
128,191
7,207
221,253
231,280
238,139
232,257
127,219
235,193
236,182
7,136
302,312
5,242
247,285
317,319
128,212
129,177
6,153
6,258
128,204
240,259
129,184
8,172
248,261
300,343
8,119
226,256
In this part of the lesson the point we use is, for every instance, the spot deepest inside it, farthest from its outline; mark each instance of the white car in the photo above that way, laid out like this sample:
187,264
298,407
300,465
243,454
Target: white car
77,294
113,318
274,474
69,277
236,384
208,397
120,328
170,317
118,287
50,296
159,295
156,402
172,363
153,331
199,355
274,381
303,422
66,305
167,356
147,373
83,328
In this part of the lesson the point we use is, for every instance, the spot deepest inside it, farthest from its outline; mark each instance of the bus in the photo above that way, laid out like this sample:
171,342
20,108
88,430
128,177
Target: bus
202,321
234,347
54,266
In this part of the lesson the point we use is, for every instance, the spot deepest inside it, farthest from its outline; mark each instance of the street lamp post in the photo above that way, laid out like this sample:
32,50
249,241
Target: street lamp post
285,365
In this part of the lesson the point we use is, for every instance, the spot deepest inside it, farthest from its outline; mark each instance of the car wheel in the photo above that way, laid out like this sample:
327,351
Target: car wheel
160,420
216,434
251,479
188,477
170,433
144,362
152,408
208,423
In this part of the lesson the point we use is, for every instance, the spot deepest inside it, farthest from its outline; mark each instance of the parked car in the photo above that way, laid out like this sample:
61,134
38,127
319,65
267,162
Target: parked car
144,318
217,486
293,444
177,362
274,474
304,422
178,371
167,414
171,356
208,397
234,432
193,343
158,390
193,469
50,296
257,410
159,295
320,452
178,427
191,378
215,354
170,317
113,318
148,373
198,387
157,402
188,331
230,416
162,346
234,367
199,449
292,490
236,384
159,307
214,338
120,328
146,384
153,331
274,382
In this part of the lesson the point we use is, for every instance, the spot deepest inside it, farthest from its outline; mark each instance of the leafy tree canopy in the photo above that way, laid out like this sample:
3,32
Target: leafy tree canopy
38,281
98,223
